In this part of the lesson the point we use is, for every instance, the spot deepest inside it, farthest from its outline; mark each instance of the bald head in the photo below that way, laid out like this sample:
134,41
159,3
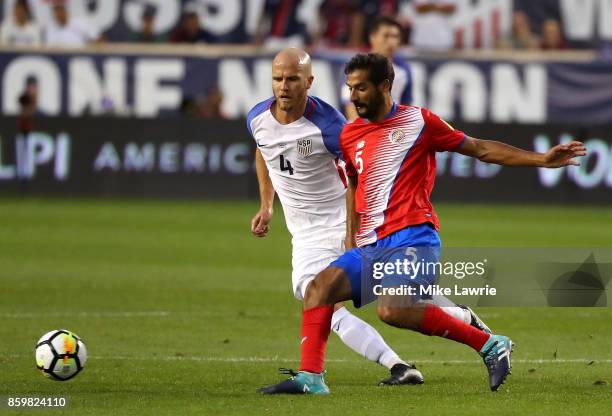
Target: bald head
291,79
293,57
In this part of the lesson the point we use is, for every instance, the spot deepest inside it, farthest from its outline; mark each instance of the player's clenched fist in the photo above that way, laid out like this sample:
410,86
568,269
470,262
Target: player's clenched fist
259,223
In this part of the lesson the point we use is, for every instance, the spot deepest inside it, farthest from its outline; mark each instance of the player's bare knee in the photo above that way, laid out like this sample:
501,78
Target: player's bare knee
400,317
387,315
313,295
328,288
318,292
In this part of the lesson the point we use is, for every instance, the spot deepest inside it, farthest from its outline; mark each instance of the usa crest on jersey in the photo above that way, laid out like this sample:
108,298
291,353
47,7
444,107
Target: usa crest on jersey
304,147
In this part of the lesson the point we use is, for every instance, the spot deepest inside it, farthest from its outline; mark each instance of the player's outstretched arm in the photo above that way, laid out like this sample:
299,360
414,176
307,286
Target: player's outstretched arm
503,154
261,220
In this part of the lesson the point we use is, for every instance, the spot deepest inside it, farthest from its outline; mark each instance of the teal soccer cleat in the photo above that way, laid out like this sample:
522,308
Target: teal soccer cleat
496,355
301,382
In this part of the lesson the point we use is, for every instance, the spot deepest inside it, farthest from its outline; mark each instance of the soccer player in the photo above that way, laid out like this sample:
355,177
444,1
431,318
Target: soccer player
297,157
385,38
390,160
297,154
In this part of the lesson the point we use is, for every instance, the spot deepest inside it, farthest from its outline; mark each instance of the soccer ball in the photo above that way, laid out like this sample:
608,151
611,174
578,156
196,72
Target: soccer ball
60,355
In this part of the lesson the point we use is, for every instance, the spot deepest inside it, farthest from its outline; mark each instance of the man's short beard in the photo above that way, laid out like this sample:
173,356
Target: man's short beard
373,107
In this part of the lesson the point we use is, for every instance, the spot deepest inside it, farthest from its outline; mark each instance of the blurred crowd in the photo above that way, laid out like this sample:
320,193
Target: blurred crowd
548,37
382,26
426,25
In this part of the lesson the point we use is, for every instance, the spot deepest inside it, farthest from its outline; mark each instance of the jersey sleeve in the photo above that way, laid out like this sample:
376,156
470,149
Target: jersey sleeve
331,135
348,162
248,126
443,137
256,112
329,120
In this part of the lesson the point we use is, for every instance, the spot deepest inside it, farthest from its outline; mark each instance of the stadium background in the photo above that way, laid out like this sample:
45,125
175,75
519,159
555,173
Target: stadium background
127,191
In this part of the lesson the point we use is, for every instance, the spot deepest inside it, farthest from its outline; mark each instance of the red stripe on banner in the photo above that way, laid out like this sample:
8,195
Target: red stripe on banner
459,38
281,18
478,33
495,26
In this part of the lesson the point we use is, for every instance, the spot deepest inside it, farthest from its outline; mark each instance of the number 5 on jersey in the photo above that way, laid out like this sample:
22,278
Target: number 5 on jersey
358,161
284,167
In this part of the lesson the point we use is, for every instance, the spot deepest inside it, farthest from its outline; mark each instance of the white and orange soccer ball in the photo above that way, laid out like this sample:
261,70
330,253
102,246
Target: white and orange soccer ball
60,355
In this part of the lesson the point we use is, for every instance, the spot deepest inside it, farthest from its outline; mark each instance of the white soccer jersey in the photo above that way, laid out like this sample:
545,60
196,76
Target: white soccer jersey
303,162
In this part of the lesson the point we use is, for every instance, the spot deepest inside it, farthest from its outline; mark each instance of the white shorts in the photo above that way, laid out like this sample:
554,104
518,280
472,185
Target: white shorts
307,262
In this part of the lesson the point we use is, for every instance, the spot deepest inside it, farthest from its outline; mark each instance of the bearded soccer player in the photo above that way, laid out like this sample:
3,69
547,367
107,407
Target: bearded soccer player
390,159
297,157
297,154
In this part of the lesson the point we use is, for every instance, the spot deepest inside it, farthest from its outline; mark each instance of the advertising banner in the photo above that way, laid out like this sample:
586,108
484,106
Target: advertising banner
169,158
131,158
145,86
461,178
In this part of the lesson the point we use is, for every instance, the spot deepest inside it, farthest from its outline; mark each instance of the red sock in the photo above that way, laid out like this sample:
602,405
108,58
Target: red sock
439,323
316,323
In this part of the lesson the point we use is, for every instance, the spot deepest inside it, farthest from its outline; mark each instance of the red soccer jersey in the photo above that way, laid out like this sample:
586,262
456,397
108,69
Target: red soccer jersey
395,160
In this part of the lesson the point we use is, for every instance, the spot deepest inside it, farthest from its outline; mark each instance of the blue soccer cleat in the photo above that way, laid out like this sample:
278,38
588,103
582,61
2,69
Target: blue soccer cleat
496,355
301,382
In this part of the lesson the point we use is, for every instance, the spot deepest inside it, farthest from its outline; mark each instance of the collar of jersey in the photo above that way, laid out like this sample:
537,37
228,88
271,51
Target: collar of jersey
389,115
310,107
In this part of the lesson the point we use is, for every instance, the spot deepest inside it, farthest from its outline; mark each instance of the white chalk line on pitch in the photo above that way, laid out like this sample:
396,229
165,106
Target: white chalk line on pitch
332,360
342,360
123,314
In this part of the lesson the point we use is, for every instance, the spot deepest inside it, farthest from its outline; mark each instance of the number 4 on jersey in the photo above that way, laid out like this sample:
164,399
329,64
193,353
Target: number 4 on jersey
284,167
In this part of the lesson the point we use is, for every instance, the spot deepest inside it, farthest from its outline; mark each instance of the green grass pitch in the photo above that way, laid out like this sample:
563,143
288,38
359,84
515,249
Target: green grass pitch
184,312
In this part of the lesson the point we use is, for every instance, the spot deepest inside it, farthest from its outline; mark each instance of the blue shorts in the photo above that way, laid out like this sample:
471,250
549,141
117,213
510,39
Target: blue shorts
392,261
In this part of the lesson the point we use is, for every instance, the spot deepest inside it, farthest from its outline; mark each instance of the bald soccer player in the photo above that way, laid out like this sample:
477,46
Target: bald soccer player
298,157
